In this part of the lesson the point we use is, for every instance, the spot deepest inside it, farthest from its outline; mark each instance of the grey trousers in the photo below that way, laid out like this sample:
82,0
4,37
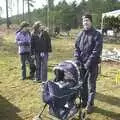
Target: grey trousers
41,66
24,59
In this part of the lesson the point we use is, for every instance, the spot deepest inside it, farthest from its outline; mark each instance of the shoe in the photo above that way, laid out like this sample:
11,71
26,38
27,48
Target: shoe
89,109
23,78
37,80
32,78
44,82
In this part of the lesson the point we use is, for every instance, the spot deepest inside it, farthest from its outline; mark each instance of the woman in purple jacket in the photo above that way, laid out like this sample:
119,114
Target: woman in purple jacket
23,40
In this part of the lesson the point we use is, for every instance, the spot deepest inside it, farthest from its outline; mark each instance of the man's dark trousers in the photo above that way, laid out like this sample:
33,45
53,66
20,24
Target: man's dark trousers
89,86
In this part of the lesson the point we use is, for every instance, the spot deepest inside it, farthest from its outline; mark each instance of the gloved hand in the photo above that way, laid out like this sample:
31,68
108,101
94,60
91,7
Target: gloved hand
33,56
87,66
79,64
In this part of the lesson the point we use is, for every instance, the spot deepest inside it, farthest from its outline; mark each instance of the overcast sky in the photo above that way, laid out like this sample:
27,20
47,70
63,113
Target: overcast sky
37,4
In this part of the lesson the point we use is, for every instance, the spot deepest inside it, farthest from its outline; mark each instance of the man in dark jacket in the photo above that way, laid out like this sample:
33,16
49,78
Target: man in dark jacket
88,49
40,47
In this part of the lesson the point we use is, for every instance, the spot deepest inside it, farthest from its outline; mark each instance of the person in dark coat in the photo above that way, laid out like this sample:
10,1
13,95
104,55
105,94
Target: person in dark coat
57,30
88,48
40,47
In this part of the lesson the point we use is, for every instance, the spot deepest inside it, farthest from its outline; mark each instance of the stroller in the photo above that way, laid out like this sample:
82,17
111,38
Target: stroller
63,94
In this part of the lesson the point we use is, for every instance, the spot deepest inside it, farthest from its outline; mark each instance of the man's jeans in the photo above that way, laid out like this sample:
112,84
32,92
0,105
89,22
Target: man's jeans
41,66
24,59
89,86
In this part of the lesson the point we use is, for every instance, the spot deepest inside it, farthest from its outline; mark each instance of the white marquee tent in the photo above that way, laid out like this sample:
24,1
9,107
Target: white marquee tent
115,13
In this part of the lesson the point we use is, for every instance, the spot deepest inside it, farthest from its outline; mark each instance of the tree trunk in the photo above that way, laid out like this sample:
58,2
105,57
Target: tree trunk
23,9
29,16
0,11
18,11
50,17
7,16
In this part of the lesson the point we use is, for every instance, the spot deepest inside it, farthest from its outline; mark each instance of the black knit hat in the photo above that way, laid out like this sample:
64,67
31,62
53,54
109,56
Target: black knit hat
89,16
36,25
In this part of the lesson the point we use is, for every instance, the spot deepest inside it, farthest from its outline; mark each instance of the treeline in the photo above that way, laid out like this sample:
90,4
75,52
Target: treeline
63,13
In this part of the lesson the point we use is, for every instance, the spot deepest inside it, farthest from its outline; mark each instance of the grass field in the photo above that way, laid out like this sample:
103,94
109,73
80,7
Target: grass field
21,100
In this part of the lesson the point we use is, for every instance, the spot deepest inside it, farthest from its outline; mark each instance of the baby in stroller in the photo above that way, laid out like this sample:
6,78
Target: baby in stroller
61,93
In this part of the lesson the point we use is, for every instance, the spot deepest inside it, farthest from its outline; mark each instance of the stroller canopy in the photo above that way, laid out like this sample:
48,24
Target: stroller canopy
71,70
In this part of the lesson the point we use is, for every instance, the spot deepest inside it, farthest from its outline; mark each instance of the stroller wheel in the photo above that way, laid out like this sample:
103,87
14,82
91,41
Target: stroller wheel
83,115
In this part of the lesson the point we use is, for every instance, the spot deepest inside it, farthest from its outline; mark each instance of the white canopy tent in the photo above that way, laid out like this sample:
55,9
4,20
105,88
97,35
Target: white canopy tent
114,13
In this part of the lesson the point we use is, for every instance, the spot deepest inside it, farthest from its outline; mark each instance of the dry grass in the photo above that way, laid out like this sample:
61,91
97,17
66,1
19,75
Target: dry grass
22,100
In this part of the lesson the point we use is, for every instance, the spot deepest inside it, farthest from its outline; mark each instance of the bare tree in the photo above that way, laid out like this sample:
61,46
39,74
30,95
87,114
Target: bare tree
29,4
17,16
0,11
7,16
50,17
23,9
10,4
17,7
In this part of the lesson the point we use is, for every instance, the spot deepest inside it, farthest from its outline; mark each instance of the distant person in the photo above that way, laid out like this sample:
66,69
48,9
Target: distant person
104,31
23,40
40,46
88,48
57,30
68,28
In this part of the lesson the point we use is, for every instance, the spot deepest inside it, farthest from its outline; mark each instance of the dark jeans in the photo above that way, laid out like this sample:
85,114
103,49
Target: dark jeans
89,86
24,59
41,66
